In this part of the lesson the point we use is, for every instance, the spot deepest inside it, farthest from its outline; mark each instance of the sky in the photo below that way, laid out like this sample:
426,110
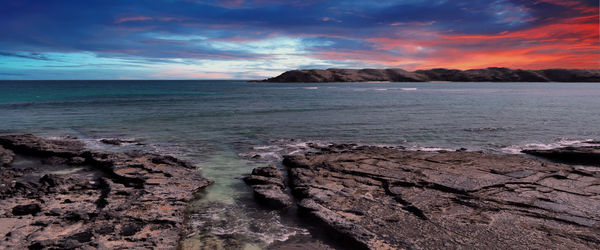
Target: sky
253,39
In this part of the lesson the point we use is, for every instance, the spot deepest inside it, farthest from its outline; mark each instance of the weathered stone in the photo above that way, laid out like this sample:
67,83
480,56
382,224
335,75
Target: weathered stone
586,155
119,142
6,156
269,171
382,198
31,145
269,185
272,196
104,200
32,209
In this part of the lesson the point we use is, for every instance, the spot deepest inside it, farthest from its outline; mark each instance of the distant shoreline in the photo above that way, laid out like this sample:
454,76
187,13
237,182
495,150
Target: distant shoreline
438,75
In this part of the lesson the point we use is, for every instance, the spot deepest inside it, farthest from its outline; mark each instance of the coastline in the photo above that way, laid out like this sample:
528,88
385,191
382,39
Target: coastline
491,74
337,190
300,125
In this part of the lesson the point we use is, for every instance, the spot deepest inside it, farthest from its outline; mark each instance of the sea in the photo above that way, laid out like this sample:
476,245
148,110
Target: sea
227,128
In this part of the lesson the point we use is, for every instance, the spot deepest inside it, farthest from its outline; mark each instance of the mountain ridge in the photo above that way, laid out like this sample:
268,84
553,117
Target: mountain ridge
491,74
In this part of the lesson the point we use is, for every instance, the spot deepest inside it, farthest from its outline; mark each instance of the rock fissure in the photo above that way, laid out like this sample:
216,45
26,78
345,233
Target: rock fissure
386,197
105,200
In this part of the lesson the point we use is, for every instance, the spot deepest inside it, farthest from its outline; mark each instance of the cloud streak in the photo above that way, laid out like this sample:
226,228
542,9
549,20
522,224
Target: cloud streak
259,38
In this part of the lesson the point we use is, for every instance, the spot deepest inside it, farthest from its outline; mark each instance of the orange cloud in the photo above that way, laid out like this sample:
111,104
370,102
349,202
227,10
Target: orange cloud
572,43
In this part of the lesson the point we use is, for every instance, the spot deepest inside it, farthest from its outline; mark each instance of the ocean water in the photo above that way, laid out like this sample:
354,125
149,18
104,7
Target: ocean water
221,125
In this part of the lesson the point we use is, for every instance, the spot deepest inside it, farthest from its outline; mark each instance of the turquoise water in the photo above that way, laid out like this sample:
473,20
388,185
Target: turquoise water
220,125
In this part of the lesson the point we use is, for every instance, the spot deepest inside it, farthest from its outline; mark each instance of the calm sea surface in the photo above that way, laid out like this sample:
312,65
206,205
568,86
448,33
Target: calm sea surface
221,125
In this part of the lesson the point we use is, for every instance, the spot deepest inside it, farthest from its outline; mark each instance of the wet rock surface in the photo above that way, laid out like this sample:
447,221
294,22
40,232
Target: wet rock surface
585,155
386,198
269,185
6,156
56,194
118,142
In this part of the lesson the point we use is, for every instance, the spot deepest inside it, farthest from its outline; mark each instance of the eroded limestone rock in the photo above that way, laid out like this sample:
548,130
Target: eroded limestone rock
72,197
268,184
384,198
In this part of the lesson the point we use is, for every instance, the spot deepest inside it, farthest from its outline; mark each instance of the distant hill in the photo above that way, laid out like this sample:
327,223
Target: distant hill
453,75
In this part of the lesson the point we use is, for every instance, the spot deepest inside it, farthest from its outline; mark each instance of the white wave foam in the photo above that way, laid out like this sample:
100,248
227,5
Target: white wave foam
311,87
516,149
408,89
230,221
278,148
381,89
429,149
265,147
94,144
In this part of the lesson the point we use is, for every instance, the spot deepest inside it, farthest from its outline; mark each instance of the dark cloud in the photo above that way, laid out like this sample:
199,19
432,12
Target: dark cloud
34,56
206,29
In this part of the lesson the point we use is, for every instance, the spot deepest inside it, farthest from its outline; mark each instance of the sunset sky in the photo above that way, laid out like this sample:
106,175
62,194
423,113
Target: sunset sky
249,39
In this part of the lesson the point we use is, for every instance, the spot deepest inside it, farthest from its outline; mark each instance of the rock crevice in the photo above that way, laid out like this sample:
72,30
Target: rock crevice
386,198
70,197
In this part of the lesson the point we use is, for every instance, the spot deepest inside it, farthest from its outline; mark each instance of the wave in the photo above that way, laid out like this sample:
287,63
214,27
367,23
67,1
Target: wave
487,129
429,149
516,149
275,151
242,223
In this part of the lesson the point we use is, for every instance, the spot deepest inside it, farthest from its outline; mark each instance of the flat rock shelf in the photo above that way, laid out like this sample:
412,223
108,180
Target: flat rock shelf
388,198
56,194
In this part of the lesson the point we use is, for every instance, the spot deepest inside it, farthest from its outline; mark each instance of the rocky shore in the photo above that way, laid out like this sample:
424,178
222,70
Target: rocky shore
56,194
388,198
452,75
584,155
269,185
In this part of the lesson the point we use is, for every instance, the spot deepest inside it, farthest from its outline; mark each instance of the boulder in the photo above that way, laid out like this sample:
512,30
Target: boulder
272,196
32,209
585,155
6,156
119,142
269,187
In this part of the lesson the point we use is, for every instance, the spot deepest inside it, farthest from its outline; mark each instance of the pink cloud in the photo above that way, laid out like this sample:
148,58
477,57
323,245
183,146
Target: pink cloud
133,19
566,3
571,43
327,19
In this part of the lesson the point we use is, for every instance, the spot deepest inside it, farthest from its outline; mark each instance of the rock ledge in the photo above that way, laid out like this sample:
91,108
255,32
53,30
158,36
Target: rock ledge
385,198
56,194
